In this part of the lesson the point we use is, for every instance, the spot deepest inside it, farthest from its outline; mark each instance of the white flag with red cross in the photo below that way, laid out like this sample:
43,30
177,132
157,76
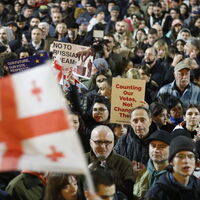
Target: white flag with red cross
35,133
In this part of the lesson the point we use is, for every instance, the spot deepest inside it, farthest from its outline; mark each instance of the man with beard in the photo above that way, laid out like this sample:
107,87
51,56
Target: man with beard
122,29
102,142
181,87
178,183
156,71
158,152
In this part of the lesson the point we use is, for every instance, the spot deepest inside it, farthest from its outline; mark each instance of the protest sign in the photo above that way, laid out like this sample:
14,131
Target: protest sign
23,64
74,58
126,94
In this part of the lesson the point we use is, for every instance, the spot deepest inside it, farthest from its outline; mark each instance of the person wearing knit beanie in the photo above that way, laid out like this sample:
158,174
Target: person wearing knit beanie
181,143
179,183
99,64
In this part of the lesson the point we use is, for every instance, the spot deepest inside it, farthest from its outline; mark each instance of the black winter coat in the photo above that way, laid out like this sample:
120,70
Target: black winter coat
133,148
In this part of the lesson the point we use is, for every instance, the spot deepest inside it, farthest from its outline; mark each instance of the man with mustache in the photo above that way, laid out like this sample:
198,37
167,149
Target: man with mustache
181,87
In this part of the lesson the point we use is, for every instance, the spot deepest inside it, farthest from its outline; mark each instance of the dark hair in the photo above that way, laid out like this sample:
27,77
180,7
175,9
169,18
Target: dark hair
146,69
36,27
105,72
20,18
196,73
54,6
102,175
55,183
156,108
140,45
191,106
152,31
80,119
103,100
171,102
176,10
187,11
142,108
157,4
24,49
181,40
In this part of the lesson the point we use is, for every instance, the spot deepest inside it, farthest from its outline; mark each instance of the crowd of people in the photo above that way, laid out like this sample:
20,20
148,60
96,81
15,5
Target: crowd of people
153,158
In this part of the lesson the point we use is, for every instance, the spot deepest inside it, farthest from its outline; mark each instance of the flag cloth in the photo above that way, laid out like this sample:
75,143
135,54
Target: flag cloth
35,133
18,65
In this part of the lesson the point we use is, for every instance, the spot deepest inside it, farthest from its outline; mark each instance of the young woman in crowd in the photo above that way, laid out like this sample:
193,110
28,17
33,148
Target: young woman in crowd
160,116
79,126
61,31
62,187
151,86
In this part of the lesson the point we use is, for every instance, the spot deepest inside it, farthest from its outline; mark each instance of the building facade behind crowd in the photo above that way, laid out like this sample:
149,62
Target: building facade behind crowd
156,41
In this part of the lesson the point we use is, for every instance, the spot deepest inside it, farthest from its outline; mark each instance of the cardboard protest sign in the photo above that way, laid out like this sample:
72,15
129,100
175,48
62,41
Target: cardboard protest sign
74,58
23,64
126,94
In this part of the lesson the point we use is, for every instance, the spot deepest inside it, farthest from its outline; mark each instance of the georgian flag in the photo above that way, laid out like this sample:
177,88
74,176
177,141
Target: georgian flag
35,133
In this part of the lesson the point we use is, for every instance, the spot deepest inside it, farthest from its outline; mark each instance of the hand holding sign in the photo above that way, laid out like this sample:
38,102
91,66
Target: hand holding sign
83,55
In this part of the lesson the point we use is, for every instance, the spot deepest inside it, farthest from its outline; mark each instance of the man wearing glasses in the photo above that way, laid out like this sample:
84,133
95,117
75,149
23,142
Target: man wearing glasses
178,183
102,143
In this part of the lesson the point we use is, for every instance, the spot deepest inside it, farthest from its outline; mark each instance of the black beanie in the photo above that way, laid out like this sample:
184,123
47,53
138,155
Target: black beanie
180,143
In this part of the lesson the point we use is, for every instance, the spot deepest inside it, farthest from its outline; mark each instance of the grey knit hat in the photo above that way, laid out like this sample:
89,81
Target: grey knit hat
100,64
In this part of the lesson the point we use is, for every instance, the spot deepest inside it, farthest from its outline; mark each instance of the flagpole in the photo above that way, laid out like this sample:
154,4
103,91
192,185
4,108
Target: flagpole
89,182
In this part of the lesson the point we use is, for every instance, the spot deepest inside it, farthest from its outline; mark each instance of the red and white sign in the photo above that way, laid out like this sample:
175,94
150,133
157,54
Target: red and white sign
34,131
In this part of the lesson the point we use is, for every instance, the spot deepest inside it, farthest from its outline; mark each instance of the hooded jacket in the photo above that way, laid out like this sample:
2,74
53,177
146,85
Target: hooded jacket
167,188
146,179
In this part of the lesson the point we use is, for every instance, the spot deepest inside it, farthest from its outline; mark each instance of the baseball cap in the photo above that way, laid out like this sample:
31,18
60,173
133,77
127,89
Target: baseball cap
181,65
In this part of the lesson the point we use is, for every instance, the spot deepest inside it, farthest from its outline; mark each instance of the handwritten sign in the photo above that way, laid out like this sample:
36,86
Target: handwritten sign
126,95
18,65
68,57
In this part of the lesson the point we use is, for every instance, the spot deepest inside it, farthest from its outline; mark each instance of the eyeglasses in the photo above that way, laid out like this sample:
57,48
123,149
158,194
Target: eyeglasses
99,142
184,156
99,109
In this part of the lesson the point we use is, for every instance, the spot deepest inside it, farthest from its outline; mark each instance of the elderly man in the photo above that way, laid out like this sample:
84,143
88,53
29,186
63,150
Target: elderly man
102,142
158,152
181,87
178,183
